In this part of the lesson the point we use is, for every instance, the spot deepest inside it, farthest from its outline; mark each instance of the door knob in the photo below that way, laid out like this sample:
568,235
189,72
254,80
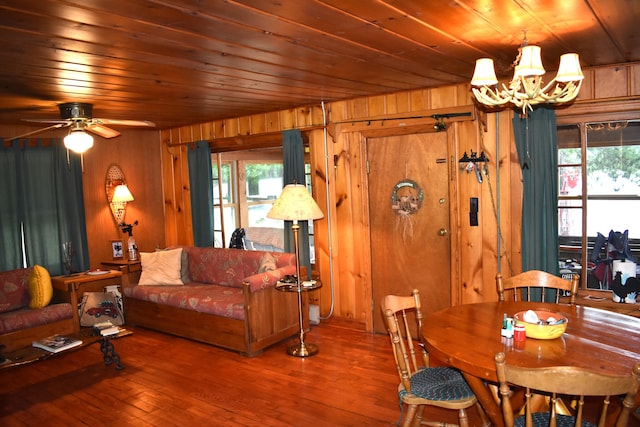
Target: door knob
443,232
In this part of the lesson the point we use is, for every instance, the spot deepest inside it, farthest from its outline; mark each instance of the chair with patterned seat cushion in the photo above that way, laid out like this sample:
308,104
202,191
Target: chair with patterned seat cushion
420,384
536,285
558,381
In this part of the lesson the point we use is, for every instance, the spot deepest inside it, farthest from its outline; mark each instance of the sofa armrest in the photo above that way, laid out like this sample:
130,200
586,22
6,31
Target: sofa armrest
268,278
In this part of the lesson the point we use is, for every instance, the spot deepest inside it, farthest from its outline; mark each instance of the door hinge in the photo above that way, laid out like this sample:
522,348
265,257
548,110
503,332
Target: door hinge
368,169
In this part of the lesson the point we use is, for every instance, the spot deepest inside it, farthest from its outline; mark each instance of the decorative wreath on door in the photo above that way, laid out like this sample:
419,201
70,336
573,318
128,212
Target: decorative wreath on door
406,197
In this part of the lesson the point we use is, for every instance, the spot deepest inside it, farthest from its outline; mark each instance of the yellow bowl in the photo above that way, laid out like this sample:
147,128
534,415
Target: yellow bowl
543,330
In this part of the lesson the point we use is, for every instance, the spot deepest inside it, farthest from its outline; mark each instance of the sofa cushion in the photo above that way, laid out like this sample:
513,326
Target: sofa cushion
14,291
220,266
25,318
40,288
267,263
222,301
161,268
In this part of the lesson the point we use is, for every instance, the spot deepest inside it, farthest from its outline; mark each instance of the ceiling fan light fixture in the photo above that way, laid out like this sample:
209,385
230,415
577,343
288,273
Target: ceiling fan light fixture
78,141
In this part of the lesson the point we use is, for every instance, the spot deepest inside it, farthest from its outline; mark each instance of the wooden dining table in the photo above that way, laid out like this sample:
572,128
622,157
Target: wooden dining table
467,337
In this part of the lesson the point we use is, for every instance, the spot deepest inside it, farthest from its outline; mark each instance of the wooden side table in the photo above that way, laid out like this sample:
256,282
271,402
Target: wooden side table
75,285
130,269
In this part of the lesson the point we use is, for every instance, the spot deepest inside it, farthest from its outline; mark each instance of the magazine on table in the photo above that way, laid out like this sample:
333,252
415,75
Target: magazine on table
56,343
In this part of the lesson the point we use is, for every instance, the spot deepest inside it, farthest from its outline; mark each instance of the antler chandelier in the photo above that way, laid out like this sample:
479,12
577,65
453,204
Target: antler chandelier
526,87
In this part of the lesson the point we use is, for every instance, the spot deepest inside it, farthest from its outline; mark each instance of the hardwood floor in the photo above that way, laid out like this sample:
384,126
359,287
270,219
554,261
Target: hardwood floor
169,381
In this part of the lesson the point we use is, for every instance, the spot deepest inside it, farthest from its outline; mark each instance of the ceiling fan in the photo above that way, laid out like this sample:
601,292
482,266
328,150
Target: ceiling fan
78,116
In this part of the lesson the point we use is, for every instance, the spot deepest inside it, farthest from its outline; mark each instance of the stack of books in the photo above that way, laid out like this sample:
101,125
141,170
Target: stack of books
106,329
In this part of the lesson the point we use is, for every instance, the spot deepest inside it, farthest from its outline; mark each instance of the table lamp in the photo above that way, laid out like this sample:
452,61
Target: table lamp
296,204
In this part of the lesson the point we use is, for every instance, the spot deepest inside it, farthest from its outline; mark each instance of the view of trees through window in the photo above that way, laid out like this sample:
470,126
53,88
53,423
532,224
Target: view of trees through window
599,184
250,183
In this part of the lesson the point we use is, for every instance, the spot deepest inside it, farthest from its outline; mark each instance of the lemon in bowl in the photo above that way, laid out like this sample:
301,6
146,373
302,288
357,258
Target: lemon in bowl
541,325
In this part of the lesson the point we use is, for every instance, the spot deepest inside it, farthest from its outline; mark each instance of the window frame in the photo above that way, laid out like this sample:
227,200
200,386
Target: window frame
239,159
584,198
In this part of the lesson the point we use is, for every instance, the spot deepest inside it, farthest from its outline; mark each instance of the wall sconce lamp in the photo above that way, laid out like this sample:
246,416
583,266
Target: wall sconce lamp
121,196
118,194
474,163
78,140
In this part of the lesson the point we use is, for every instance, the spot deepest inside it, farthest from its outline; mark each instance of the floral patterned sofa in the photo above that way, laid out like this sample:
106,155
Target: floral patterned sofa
223,297
20,324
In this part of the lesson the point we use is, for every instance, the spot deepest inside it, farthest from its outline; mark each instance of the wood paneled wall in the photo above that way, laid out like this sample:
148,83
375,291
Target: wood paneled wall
137,152
339,174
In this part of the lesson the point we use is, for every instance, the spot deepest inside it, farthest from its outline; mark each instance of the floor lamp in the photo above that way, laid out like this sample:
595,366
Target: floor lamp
296,204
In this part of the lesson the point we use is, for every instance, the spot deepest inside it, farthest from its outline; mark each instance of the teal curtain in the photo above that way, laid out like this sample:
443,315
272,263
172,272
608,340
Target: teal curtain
42,205
293,171
201,183
537,146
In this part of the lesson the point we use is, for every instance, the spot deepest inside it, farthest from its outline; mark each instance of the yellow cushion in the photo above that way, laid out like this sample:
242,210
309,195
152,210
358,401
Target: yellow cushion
40,288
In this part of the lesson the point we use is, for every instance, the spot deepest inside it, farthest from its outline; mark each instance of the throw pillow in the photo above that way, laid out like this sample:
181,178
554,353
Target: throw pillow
184,264
267,263
161,268
40,288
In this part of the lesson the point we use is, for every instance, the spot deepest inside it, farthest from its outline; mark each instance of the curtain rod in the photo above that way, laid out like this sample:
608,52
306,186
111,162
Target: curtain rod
434,116
257,135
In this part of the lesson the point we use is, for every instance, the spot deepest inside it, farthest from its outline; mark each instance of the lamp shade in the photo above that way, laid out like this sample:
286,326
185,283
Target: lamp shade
569,69
78,141
484,73
530,62
295,204
122,194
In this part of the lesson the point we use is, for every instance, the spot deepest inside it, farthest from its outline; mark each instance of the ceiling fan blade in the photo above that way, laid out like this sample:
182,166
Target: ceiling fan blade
33,132
103,131
47,121
116,122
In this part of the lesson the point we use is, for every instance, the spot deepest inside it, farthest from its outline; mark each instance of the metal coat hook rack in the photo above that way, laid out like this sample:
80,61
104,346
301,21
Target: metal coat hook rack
475,163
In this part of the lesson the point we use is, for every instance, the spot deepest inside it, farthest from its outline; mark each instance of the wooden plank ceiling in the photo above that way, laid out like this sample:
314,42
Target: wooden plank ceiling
177,62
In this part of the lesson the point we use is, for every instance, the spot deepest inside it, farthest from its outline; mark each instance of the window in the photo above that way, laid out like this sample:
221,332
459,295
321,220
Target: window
263,184
251,181
225,198
599,180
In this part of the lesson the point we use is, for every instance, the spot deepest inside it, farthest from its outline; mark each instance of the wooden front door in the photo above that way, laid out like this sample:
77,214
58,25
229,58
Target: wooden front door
409,219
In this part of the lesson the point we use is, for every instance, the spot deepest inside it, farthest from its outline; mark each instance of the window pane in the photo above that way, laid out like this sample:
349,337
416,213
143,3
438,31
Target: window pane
258,216
264,181
570,181
264,185
616,215
569,219
613,178
229,223
227,190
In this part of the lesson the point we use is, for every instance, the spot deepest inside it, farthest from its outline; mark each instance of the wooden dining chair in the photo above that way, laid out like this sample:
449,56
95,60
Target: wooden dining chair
420,384
563,380
535,284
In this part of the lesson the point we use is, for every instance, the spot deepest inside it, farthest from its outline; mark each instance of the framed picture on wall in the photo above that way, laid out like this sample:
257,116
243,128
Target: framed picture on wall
116,249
